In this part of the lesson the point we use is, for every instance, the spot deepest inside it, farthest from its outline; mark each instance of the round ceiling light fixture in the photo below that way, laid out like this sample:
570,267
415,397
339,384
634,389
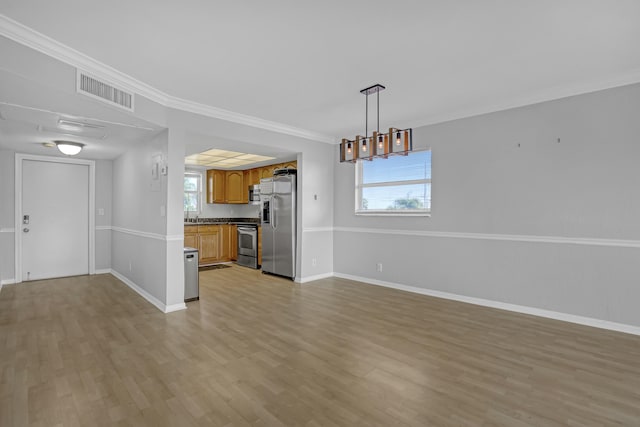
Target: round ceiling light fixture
69,148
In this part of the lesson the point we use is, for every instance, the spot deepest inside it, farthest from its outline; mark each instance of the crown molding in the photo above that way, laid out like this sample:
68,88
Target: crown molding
37,41
243,119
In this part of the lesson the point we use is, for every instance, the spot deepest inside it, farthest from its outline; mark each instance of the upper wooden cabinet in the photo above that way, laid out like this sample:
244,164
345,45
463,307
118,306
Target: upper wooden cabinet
246,182
226,186
266,172
235,188
290,165
216,186
255,176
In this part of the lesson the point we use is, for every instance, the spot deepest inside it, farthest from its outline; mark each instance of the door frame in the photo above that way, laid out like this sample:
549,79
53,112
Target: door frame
18,206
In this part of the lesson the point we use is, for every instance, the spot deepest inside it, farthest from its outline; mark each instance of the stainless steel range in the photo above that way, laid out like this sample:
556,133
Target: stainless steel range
248,245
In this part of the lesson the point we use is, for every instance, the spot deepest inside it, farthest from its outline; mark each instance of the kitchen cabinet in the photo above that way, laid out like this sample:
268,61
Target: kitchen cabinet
275,167
227,186
266,172
290,165
246,178
209,243
191,236
233,186
215,242
233,246
236,191
225,242
255,176
215,186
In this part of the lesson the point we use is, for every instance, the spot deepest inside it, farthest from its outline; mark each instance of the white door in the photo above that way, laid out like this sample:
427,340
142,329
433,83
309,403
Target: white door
55,198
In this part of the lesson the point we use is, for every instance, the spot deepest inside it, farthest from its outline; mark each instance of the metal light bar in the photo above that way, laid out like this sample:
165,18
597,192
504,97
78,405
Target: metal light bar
380,145
353,150
372,89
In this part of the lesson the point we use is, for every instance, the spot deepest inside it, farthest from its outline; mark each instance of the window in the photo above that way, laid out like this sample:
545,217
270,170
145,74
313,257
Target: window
192,191
398,185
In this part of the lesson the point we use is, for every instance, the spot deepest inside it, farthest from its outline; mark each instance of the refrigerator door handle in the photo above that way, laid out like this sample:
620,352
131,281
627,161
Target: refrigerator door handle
272,207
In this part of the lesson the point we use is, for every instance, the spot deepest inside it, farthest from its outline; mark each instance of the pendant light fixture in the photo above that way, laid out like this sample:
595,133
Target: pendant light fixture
69,148
396,141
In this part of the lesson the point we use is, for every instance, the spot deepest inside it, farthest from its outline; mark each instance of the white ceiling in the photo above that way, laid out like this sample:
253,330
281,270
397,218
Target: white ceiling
31,119
303,63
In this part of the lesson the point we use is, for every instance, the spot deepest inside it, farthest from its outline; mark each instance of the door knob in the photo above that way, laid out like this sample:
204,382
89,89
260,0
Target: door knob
26,230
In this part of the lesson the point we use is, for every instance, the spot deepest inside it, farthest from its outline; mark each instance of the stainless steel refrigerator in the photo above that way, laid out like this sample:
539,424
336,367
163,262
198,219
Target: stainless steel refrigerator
278,218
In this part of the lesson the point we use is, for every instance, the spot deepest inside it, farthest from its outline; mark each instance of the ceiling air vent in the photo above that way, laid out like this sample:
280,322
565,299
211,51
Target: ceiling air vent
105,92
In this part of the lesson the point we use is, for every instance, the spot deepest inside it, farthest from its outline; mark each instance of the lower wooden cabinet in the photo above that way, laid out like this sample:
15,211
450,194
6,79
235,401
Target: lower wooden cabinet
225,242
233,246
215,242
191,236
209,243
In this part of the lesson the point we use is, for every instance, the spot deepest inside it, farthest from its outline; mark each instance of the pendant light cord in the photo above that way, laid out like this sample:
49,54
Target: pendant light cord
378,97
366,115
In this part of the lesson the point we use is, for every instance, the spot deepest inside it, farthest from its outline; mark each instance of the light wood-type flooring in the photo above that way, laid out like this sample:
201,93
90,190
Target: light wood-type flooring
258,350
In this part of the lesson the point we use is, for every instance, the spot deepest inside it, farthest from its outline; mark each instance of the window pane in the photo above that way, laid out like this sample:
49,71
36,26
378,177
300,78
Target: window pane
416,165
190,183
191,202
401,197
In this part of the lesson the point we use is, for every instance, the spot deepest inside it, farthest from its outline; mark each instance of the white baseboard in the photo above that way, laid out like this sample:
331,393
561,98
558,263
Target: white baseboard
581,320
308,279
146,295
103,271
7,282
175,307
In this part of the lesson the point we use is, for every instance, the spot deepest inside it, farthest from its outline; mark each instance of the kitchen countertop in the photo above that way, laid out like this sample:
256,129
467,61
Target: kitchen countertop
208,221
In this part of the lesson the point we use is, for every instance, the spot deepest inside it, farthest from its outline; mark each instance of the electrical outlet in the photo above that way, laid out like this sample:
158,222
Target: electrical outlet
379,267
314,262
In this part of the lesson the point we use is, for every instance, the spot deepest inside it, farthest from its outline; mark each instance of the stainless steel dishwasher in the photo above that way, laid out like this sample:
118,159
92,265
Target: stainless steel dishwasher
191,283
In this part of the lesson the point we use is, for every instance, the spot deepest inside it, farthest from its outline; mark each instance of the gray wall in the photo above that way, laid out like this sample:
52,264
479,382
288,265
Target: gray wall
502,180
7,214
104,200
138,243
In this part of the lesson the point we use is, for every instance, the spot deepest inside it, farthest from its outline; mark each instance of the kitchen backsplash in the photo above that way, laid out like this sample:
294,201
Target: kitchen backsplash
229,211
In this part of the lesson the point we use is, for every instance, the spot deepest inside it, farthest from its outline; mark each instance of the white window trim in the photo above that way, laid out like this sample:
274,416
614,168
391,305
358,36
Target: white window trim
199,175
385,212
